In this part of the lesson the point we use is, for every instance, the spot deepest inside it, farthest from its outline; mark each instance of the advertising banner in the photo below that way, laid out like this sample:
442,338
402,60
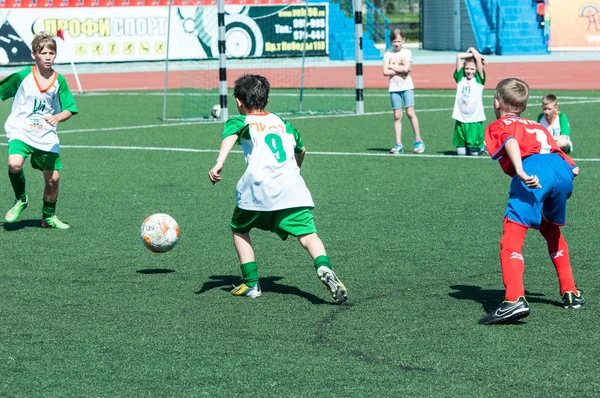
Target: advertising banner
119,34
574,25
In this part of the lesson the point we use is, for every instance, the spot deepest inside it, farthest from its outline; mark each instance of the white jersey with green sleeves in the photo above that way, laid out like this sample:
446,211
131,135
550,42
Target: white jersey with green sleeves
32,104
559,125
272,179
468,106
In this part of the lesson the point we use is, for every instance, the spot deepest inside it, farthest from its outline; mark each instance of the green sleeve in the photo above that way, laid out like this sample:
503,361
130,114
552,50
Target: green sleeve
11,83
236,125
565,127
292,130
480,79
459,74
67,102
539,118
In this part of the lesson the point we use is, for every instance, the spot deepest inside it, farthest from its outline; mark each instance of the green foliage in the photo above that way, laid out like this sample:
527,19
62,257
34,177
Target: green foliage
91,312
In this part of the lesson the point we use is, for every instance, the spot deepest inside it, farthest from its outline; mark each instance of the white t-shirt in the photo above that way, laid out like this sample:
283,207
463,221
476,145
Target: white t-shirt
468,106
32,104
272,180
399,82
558,126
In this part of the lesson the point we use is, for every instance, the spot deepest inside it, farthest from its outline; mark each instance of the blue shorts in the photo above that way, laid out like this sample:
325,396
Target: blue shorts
527,205
398,97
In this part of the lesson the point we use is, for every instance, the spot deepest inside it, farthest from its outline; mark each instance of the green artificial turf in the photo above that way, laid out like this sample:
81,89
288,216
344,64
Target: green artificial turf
90,312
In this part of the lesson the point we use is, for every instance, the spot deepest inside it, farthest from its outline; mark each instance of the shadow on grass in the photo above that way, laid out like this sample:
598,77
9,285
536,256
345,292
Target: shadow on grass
379,150
150,271
492,298
15,226
268,284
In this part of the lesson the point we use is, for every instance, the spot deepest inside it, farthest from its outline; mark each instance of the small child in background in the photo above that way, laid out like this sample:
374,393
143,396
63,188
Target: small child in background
468,106
556,123
396,65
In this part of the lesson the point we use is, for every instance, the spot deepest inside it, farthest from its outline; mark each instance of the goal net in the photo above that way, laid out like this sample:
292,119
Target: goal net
288,43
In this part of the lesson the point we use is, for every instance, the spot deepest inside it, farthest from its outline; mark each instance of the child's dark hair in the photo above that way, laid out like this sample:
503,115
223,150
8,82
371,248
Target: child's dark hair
252,91
42,40
396,33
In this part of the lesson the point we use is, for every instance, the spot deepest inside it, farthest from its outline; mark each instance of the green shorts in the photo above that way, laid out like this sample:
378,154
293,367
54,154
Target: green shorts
40,160
296,221
469,135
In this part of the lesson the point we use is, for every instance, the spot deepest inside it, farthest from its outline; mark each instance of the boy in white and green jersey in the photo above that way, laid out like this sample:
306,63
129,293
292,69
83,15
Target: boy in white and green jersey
468,106
271,195
42,99
556,123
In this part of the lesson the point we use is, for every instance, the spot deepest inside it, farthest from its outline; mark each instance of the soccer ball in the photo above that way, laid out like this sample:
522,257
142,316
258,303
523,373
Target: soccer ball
215,112
159,232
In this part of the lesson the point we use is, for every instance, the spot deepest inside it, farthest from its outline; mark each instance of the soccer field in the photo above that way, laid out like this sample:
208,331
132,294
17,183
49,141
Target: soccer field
90,312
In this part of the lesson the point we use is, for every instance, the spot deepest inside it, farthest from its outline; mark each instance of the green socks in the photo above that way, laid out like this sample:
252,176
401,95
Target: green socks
250,269
17,180
322,261
250,273
49,209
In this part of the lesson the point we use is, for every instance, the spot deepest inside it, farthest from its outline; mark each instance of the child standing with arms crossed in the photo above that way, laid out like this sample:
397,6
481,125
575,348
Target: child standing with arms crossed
542,181
271,195
42,99
468,106
556,123
396,65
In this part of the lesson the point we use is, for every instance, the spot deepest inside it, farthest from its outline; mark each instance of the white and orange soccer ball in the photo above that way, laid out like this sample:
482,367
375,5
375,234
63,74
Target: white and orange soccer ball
159,232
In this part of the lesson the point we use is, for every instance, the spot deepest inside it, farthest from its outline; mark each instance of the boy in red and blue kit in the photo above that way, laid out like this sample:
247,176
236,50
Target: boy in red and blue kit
542,181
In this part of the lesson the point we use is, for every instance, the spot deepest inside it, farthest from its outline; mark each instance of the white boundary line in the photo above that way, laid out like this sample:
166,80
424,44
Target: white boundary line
364,154
165,125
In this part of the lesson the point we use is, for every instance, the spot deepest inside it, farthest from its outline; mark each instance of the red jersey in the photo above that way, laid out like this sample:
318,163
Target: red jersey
533,138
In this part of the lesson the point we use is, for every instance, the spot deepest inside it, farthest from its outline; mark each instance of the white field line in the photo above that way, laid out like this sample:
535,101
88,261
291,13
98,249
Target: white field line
167,124
362,154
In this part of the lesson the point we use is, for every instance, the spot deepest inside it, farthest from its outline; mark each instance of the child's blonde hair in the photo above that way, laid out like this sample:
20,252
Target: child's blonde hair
394,34
469,60
549,99
42,40
512,93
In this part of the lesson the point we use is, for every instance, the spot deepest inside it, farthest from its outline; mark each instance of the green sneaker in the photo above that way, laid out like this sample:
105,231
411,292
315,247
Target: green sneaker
54,222
15,212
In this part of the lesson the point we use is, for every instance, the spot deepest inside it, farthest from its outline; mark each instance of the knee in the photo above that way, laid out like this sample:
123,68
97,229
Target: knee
52,179
14,166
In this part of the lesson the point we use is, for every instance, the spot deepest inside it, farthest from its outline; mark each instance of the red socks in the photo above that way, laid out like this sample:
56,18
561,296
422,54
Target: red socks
559,253
511,259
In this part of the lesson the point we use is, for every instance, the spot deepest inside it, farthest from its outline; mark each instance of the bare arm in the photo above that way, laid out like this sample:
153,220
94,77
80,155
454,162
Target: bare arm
514,154
59,117
300,157
480,62
459,59
392,69
226,145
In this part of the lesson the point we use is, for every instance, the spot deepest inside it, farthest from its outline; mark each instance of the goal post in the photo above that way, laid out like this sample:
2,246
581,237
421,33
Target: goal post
287,41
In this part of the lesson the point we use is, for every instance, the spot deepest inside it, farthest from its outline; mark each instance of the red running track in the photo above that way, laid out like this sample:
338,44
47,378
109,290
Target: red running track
559,75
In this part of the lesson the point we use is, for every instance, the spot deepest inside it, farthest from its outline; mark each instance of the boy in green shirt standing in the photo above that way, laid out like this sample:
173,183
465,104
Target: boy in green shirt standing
42,99
468,106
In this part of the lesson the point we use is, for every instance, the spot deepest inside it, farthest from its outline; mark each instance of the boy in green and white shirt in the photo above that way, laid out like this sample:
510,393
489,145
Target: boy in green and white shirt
271,195
556,123
42,99
468,106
